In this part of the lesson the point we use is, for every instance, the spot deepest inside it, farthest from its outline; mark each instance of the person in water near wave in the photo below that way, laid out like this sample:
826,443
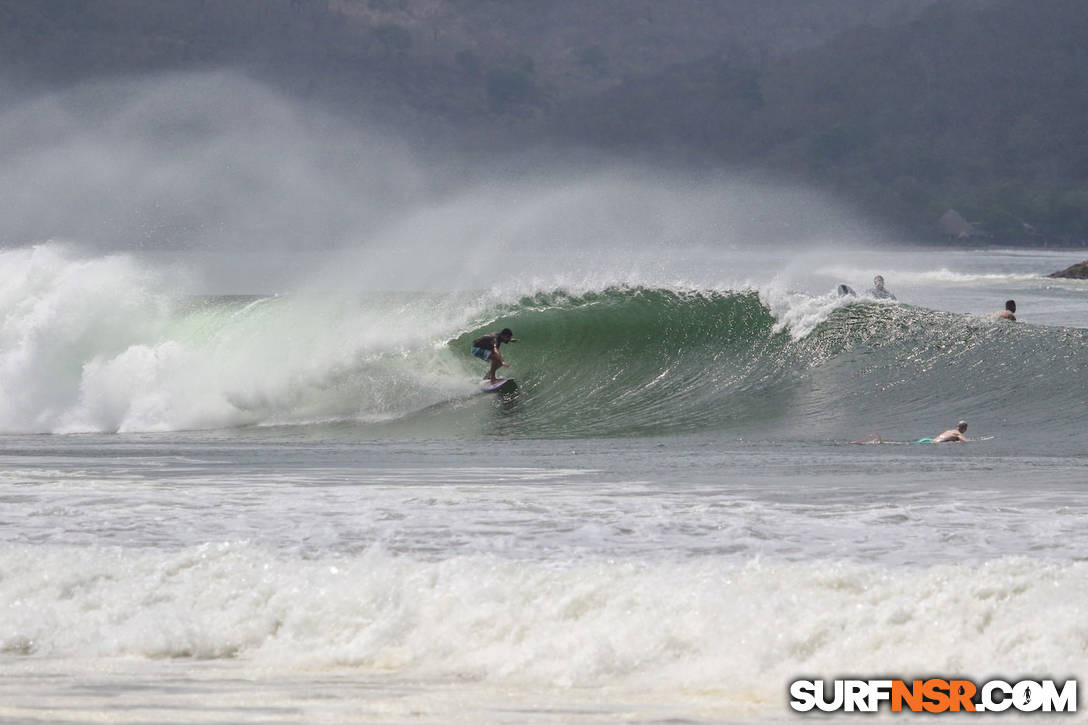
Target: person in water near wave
1009,313
487,348
953,435
878,290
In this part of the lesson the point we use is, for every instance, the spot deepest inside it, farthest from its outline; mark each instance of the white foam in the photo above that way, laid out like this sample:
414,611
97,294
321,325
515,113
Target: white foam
917,277
58,312
702,624
797,312
94,344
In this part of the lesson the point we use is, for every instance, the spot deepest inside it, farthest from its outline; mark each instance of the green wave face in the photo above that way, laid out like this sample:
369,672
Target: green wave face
635,362
626,362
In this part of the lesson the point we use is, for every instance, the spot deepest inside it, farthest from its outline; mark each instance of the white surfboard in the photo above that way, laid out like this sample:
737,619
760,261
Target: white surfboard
500,384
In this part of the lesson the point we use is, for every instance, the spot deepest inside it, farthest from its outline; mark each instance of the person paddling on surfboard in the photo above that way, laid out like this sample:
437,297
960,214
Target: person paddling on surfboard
953,435
487,348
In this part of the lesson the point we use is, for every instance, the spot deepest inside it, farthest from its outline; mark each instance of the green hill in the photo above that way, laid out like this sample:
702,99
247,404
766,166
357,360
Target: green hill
977,106
908,107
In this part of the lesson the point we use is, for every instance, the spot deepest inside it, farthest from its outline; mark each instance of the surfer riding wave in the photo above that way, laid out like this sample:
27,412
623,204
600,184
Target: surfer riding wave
486,348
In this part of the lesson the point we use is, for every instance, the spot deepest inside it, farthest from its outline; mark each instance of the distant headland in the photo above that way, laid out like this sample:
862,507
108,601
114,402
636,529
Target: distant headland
1077,271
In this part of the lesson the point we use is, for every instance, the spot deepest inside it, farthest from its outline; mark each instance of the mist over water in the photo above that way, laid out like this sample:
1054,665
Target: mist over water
262,193
203,163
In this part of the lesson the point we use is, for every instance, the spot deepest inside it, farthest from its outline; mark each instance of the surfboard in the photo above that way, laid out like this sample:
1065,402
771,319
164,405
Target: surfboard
875,439
504,385
969,440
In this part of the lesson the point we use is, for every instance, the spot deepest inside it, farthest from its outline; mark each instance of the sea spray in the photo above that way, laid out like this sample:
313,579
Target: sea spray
93,344
60,312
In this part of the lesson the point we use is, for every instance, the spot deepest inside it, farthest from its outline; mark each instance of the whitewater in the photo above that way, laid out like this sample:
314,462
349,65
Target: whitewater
294,505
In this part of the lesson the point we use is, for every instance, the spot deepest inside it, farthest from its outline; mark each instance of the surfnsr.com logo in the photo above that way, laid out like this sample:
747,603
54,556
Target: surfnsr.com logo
934,695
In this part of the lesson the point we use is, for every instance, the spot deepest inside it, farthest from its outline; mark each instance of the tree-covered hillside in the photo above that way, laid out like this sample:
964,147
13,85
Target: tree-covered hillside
909,107
980,107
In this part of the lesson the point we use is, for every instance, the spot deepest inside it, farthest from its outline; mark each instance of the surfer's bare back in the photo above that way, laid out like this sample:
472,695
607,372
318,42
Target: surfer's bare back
953,435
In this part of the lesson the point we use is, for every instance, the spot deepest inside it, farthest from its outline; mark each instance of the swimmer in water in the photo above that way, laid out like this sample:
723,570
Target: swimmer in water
878,290
1009,313
953,435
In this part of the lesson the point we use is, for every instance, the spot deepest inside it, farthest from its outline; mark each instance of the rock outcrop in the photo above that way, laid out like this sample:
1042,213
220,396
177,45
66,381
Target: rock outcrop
1077,271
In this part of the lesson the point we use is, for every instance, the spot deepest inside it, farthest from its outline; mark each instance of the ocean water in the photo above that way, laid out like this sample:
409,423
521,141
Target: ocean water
298,507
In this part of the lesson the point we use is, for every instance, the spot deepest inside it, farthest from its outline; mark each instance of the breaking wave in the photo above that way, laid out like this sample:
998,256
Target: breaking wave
98,345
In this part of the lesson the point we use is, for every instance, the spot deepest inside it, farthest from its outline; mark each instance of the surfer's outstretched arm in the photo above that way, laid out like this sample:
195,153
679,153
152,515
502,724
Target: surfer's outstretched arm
869,438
